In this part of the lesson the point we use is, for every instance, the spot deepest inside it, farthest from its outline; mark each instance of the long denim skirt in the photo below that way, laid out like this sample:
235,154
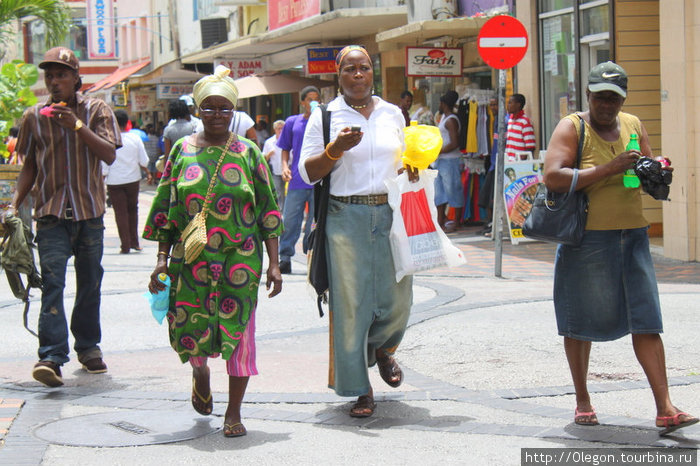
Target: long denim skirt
368,309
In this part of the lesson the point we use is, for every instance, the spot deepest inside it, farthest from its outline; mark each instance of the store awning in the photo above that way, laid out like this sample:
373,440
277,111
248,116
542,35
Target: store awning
118,76
275,83
347,24
169,73
417,33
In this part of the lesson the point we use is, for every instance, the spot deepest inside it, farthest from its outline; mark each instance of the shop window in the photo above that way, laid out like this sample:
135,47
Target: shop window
574,37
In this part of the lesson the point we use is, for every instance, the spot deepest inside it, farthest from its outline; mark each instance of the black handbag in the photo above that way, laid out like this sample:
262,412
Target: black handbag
318,267
559,217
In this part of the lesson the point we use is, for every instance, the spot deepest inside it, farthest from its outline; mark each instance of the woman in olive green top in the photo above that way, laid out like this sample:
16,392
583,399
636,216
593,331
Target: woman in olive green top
606,288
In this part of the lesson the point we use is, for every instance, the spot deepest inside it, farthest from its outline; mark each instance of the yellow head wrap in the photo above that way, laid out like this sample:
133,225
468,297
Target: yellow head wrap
218,83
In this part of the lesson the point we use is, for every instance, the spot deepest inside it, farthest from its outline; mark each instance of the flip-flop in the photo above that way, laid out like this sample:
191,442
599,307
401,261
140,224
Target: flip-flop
675,423
208,402
580,417
234,433
364,407
388,369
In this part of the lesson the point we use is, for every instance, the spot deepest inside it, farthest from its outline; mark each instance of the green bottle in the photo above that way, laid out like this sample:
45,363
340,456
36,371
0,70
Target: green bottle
630,179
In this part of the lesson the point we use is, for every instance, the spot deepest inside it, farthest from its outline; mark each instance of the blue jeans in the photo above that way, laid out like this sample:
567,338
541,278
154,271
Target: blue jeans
448,184
293,215
57,241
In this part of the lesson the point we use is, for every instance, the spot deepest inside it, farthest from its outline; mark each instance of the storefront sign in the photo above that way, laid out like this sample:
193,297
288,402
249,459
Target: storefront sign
285,12
142,101
433,61
172,91
321,60
241,68
100,29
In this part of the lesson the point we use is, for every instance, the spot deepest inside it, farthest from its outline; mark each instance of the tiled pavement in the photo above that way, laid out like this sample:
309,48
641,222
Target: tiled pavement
528,259
536,259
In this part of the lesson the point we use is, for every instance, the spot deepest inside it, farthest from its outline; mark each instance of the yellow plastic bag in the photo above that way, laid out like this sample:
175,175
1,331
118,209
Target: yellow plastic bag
423,144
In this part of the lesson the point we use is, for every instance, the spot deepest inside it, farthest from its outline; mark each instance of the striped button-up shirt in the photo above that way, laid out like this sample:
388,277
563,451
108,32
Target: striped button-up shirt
68,172
520,135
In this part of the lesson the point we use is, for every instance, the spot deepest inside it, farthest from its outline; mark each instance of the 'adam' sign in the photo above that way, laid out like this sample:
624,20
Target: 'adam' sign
433,61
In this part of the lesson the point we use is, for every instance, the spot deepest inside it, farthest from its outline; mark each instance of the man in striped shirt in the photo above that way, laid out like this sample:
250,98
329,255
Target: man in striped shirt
63,142
520,135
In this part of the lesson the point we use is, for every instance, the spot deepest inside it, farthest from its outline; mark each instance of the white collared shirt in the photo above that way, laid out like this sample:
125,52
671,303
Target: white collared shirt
362,169
130,157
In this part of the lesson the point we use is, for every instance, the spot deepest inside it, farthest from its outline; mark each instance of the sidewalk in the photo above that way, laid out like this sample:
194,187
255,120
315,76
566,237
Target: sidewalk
485,375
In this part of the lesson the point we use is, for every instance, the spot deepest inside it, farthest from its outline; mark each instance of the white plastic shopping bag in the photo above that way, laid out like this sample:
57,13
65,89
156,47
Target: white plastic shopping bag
417,241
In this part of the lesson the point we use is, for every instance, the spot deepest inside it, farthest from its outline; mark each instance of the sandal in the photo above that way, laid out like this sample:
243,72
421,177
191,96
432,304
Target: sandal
390,371
364,407
672,423
198,400
234,430
585,418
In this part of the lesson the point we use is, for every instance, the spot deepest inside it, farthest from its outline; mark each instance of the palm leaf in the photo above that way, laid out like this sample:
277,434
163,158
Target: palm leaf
54,13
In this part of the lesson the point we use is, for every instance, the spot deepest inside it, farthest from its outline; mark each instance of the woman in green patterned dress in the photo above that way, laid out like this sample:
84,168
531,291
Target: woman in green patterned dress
213,297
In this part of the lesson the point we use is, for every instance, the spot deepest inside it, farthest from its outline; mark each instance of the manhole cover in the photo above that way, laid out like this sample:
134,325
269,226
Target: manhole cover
126,428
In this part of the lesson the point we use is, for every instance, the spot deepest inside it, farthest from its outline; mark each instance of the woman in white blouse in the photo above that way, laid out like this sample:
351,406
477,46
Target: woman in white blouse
369,310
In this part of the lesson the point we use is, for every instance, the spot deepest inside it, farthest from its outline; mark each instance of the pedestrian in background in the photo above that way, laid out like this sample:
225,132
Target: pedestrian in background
153,151
261,132
405,105
213,298
448,183
520,135
369,310
606,288
273,155
123,179
180,125
63,142
300,195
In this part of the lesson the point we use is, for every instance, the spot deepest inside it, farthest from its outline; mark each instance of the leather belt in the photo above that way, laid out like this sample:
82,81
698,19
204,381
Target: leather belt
370,199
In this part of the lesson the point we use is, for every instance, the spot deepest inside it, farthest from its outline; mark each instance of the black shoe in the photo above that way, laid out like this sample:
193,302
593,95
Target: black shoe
48,373
95,366
285,267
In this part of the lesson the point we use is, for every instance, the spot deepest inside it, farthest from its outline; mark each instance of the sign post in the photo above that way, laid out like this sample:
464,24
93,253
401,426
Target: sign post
502,43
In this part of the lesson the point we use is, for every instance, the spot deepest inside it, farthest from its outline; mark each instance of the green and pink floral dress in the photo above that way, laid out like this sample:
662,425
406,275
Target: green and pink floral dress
212,299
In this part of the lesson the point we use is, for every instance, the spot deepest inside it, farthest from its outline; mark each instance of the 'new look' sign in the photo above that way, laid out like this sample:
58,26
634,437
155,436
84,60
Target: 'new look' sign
433,61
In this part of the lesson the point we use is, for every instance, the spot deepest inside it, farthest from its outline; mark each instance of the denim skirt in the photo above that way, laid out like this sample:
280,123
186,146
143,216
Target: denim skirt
606,287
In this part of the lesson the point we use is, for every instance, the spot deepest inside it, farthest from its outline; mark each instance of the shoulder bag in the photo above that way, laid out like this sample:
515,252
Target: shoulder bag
559,217
194,236
318,267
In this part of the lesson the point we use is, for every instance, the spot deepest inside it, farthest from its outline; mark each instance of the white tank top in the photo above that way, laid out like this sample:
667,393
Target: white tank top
454,153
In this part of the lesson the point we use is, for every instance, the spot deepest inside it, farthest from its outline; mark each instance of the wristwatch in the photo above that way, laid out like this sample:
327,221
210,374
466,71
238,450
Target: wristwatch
78,124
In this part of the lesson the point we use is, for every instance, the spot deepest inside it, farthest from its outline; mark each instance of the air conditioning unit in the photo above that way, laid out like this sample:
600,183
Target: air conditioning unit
214,31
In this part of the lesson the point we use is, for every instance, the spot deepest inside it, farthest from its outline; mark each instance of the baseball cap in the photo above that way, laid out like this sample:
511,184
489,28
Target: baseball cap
608,76
62,56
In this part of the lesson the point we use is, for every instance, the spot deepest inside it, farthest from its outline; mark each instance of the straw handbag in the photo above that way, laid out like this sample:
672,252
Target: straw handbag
194,236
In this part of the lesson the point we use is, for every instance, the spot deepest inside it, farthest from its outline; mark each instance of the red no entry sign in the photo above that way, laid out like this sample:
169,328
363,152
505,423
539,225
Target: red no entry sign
502,42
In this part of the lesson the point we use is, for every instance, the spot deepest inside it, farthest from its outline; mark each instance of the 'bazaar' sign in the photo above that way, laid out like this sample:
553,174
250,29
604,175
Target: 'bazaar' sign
433,61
